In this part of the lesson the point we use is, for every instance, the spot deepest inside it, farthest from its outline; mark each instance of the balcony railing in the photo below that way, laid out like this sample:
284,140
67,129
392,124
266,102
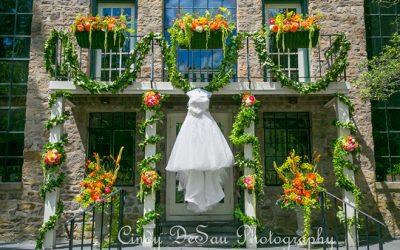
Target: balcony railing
303,65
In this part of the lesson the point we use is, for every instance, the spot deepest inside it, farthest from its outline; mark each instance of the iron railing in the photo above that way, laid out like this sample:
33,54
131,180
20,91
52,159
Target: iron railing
365,230
95,226
304,65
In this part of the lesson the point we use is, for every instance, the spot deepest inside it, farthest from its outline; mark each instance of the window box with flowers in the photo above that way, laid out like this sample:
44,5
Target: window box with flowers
290,30
209,31
96,32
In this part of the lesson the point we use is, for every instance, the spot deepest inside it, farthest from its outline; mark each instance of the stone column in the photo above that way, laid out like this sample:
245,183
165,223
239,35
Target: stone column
249,198
149,200
51,199
342,114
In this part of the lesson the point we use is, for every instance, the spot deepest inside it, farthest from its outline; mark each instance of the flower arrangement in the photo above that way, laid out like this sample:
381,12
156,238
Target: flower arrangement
151,99
248,99
107,32
209,31
350,144
99,182
301,185
150,180
248,182
52,158
292,30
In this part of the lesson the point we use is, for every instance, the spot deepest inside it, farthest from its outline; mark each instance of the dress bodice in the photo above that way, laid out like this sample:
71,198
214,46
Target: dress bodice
199,101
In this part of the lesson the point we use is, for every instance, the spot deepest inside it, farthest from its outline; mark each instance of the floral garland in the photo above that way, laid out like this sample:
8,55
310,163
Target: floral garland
346,125
53,156
150,178
341,46
343,147
57,120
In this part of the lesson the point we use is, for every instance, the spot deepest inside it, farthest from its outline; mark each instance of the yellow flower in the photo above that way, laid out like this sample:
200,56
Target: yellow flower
222,9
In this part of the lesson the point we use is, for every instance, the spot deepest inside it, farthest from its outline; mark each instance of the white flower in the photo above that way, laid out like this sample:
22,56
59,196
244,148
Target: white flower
271,26
199,28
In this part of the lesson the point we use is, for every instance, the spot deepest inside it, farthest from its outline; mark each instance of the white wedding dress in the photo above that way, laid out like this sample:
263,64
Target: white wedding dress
200,155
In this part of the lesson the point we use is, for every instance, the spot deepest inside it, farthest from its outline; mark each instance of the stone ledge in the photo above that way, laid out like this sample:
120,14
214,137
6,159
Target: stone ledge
7,186
386,185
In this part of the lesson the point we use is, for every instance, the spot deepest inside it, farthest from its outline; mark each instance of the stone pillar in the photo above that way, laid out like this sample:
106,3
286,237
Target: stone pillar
51,199
149,200
249,198
342,114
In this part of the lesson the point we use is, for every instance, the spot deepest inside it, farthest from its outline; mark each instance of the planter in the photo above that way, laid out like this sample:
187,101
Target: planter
99,40
298,39
199,41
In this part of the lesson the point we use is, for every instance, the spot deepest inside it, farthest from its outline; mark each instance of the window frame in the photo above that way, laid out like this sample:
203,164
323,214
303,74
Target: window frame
113,130
308,129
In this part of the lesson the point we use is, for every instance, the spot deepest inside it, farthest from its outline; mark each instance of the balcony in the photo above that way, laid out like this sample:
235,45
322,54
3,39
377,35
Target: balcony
200,67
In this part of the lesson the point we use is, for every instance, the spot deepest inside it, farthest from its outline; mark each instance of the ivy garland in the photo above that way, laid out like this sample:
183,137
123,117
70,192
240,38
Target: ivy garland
346,125
339,163
53,97
146,219
346,100
49,225
341,46
51,184
150,178
57,120
248,220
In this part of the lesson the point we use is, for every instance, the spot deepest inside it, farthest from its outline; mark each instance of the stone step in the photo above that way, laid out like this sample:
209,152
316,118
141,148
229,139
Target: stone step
199,240
222,227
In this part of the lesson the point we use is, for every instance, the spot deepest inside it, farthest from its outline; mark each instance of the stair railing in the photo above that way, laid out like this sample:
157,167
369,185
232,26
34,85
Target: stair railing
336,225
93,225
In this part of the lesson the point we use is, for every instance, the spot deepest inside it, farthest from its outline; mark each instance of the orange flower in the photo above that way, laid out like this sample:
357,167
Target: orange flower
274,28
306,194
182,25
311,176
110,26
225,24
297,182
80,27
294,27
92,174
286,27
214,25
99,184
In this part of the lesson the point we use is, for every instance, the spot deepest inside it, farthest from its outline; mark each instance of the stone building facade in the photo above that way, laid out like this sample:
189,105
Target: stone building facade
22,208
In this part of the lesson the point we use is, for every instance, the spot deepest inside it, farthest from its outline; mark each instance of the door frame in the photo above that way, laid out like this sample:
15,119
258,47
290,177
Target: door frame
176,212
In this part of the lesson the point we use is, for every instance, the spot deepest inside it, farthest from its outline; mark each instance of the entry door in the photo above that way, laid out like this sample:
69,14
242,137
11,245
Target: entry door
175,203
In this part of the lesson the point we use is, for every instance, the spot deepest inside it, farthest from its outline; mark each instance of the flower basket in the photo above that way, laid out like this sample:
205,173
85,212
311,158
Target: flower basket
298,39
199,41
99,41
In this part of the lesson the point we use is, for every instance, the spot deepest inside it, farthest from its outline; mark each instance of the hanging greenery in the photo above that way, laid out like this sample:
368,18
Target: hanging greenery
53,97
146,219
341,46
344,147
57,120
346,125
346,100
49,225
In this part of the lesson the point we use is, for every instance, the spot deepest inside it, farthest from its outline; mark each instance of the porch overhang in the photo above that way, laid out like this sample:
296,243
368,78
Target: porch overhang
258,88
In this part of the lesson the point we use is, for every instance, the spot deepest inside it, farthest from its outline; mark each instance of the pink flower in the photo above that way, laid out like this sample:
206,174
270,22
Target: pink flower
249,182
107,190
271,21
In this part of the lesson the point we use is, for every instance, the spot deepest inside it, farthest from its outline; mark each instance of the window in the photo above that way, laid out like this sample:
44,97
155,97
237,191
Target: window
292,61
108,132
110,64
282,133
380,25
15,31
196,65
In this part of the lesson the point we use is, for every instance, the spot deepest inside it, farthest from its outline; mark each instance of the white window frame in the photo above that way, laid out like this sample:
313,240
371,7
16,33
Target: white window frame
99,52
301,54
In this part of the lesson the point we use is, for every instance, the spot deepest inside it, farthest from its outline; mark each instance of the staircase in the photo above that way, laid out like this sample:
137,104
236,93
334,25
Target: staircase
198,233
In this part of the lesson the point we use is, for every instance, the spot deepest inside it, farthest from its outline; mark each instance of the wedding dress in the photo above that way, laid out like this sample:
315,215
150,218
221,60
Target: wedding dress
200,155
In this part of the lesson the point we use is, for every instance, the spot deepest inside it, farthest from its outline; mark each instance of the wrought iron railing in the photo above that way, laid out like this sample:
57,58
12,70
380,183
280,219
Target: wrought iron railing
98,225
303,65
367,231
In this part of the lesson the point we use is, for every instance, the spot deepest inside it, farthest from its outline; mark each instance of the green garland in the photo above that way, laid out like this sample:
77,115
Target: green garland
53,97
156,118
154,139
307,224
143,164
51,184
248,220
49,225
340,162
341,45
346,100
146,219
57,120
346,125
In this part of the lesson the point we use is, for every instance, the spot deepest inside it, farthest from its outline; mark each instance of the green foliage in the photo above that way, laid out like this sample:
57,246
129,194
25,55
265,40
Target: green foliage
346,100
341,46
340,161
143,164
248,220
346,125
156,118
51,184
49,225
59,93
382,79
154,139
146,219
57,120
